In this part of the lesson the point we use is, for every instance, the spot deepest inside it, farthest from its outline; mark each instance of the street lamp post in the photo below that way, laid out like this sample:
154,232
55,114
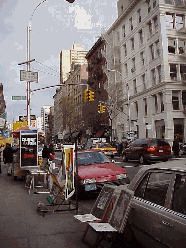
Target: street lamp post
128,99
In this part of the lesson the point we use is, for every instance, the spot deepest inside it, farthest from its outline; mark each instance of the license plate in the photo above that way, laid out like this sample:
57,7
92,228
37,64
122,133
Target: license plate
90,187
160,150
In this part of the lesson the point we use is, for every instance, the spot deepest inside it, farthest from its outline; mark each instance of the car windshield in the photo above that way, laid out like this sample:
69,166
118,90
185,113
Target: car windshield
87,158
159,143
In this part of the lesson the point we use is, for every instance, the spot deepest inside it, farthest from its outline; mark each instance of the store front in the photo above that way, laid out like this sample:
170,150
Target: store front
160,129
179,129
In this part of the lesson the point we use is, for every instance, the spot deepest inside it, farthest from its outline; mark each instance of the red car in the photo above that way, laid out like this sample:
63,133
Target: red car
95,169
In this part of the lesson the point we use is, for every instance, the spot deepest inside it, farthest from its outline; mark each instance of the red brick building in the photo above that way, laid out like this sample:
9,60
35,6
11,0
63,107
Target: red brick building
98,123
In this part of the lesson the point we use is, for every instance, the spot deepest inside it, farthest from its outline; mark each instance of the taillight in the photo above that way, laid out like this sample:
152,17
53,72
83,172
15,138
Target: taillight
169,148
151,149
115,150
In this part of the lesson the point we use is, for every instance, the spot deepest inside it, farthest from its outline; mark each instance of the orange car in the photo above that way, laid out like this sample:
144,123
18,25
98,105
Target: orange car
106,148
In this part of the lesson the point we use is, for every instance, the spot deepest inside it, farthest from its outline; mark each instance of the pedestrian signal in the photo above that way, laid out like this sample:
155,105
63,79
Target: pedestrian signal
91,96
99,108
103,109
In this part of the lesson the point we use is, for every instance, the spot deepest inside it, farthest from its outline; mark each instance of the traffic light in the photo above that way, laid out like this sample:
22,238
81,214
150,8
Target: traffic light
99,108
103,109
86,95
91,96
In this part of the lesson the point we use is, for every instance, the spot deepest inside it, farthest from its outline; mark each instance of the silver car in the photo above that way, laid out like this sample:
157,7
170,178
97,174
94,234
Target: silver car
158,211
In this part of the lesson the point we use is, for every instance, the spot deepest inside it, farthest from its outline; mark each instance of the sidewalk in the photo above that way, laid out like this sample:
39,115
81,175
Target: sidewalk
22,226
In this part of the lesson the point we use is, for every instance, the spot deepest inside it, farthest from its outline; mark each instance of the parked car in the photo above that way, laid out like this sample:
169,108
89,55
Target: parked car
106,148
147,150
95,169
158,209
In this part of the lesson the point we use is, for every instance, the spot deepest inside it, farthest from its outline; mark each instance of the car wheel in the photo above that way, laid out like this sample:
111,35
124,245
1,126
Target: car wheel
125,159
141,159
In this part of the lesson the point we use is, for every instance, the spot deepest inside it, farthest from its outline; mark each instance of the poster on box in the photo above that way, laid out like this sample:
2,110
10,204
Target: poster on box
28,148
69,162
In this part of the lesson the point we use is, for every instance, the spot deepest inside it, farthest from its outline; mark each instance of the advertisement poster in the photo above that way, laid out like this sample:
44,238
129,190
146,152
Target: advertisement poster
28,148
69,162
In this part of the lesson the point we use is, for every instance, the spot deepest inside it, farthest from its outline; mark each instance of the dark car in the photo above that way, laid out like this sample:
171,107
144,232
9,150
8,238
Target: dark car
147,150
95,169
158,209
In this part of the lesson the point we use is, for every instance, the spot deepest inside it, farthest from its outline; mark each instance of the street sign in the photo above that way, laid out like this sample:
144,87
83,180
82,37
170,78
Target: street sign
60,135
24,117
29,76
2,122
18,97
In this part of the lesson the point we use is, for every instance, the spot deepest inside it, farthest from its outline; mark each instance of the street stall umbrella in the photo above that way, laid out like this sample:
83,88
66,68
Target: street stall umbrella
16,132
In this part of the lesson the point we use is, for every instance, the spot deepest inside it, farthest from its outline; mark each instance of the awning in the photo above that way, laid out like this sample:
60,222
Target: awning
66,136
99,133
75,134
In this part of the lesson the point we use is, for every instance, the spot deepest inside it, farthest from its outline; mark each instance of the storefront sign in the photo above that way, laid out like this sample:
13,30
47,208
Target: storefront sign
29,148
69,162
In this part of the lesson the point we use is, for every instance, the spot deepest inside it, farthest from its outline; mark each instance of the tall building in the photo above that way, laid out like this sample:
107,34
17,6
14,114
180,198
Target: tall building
151,39
69,104
70,58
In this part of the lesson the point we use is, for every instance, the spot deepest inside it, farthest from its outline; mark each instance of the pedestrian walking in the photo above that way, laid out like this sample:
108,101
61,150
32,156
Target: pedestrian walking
45,156
8,158
176,147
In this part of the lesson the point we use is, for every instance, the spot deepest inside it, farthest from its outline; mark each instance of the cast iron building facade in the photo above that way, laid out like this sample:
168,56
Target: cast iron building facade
151,37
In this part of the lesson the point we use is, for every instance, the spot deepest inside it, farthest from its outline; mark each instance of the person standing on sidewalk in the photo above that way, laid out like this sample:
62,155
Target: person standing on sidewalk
45,156
8,158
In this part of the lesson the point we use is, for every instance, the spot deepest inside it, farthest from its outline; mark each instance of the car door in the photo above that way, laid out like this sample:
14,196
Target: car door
174,220
145,216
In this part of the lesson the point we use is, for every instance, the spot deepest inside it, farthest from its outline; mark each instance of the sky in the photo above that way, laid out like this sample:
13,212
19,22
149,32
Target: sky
55,25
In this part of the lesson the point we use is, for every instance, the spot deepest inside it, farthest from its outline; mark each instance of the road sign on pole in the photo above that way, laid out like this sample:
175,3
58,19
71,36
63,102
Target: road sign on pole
29,76
18,97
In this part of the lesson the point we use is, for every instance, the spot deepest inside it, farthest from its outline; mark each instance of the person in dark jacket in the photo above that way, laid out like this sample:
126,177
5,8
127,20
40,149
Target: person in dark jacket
176,148
8,158
45,155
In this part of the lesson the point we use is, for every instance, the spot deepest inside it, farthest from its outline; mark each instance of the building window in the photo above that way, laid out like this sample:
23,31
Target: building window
175,100
130,24
133,65
174,21
153,73
183,72
117,37
141,37
134,86
184,100
136,107
139,15
152,51
143,81
125,50
126,70
155,104
142,55
173,72
123,30
156,24
145,106
179,21
148,5
154,3
161,102
150,28
157,48
181,46
171,45
168,1
132,44
159,74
